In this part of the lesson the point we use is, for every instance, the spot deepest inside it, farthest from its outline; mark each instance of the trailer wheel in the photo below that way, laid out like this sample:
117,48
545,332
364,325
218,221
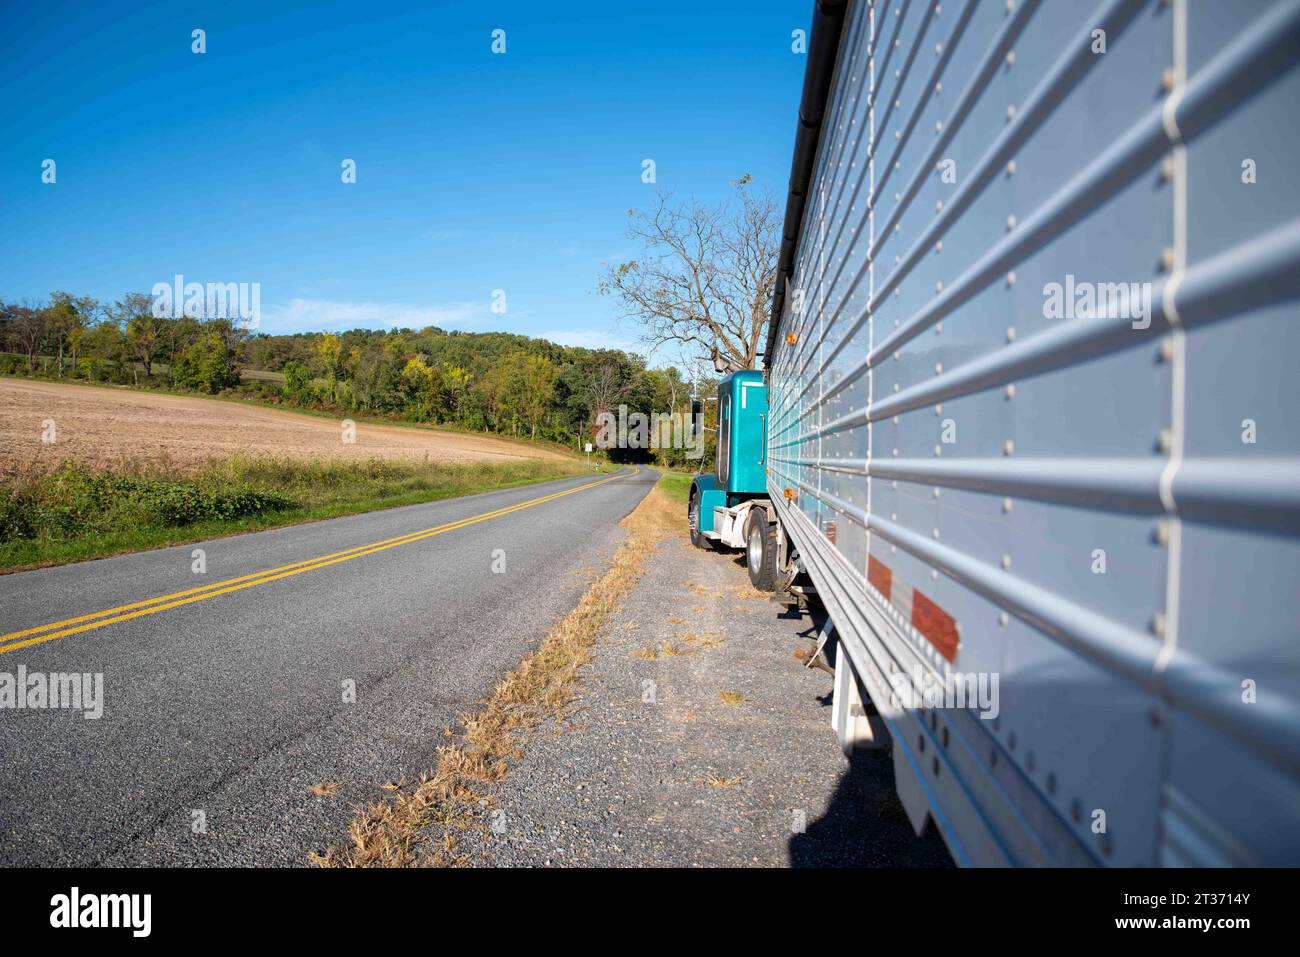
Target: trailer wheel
693,520
760,550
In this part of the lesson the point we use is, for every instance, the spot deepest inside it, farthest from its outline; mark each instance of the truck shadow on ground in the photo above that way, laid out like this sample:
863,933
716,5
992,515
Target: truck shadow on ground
865,824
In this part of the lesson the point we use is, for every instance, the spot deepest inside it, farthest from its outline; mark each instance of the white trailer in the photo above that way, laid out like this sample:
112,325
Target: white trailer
1035,417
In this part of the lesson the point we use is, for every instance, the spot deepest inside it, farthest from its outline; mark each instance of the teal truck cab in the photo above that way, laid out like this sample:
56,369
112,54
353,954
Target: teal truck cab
730,508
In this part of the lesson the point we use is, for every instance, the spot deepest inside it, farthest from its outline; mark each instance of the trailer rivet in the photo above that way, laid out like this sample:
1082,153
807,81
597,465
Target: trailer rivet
1161,534
938,87
1167,168
1009,448
1011,391
937,451
1011,222
1166,349
938,410
1007,505
1158,623
938,247
938,205
1011,167
936,533
1004,619
1165,441
1006,562
1011,111
938,286
1167,259
938,367
1011,278
1167,79
1011,58
938,127
1011,333
938,328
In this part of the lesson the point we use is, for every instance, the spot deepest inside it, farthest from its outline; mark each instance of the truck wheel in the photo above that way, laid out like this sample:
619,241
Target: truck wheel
760,550
693,520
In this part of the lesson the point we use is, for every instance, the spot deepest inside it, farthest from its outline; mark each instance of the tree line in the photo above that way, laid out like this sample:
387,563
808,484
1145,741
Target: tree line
492,382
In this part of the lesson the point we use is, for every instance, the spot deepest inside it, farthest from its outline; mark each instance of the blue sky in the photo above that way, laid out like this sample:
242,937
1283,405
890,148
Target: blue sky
475,171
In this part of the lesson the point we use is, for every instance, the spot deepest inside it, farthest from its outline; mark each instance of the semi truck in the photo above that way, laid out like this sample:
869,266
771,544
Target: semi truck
1027,425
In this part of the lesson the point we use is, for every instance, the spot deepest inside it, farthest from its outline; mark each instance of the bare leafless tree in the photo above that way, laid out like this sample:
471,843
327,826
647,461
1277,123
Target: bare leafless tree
706,277
30,329
607,385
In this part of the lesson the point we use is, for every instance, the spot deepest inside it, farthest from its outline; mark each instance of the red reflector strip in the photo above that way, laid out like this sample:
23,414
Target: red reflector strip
939,627
879,575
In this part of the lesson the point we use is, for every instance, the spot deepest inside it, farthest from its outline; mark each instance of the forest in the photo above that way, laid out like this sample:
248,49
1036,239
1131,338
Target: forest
492,382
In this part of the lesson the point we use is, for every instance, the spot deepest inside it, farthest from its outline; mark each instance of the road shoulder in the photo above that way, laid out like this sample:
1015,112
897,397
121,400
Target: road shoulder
696,738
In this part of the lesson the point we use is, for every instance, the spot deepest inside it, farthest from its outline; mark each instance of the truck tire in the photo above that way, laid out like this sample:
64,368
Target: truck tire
760,550
693,520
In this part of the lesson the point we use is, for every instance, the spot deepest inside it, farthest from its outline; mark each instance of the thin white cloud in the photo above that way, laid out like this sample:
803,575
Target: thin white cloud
324,315
589,339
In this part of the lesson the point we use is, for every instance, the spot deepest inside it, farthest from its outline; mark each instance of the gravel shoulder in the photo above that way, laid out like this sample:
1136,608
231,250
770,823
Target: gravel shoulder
698,739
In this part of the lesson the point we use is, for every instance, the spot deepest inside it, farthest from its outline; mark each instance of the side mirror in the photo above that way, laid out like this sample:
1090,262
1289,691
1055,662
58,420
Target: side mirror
697,417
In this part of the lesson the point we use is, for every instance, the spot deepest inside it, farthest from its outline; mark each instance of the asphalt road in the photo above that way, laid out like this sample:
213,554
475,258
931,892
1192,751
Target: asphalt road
220,713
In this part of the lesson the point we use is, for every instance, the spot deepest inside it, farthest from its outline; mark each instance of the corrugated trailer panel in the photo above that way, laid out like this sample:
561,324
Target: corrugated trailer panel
1096,500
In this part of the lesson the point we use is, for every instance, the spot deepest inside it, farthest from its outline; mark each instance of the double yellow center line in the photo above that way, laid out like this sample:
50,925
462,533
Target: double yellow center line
150,606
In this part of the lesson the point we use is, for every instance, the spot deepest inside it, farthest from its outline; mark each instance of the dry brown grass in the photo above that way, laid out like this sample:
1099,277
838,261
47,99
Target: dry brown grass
731,697
704,640
422,827
324,790
714,781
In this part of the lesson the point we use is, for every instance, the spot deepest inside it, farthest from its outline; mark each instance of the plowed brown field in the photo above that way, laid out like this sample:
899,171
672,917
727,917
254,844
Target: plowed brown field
103,426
